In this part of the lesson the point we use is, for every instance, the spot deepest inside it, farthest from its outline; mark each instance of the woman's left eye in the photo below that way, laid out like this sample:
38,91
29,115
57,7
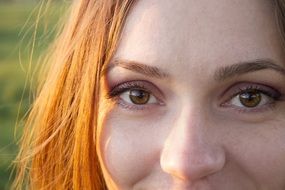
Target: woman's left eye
252,98
138,97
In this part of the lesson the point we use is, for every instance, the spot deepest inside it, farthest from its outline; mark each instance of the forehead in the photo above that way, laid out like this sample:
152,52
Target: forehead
164,33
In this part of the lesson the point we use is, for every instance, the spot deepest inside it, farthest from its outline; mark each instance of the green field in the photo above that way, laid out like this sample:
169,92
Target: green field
19,35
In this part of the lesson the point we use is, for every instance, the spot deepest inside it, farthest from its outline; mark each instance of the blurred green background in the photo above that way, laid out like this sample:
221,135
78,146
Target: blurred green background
20,36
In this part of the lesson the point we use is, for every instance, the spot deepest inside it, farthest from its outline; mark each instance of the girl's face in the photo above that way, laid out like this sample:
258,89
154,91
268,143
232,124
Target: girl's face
195,98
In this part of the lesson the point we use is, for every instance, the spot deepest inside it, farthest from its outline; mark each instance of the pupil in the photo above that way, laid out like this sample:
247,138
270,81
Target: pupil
139,96
250,99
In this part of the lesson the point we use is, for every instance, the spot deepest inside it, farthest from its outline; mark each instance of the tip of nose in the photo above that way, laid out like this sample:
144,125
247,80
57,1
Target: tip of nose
192,168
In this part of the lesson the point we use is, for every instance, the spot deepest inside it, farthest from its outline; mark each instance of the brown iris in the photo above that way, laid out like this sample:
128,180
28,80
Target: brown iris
250,98
139,96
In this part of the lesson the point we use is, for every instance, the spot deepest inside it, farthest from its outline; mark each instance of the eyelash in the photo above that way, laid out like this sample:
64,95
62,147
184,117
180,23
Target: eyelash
270,92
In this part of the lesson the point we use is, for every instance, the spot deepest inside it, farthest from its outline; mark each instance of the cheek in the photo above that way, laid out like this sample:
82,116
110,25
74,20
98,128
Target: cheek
261,153
128,148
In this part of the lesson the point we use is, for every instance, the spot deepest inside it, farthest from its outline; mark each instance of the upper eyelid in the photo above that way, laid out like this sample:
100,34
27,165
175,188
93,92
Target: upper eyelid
258,88
142,84
120,88
125,86
236,88
270,92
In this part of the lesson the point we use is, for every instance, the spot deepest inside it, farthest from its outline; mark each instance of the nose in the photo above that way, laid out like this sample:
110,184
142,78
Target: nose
190,152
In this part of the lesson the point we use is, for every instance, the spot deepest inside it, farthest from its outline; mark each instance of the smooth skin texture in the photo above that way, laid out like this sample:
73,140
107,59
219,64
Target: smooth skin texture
194,132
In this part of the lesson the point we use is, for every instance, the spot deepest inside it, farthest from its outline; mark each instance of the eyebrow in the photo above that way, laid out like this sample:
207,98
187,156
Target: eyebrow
241,68
220,74
150,71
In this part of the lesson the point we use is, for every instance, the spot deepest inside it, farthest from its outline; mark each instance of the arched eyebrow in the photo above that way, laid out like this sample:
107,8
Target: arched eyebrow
150,71
241,68
221,74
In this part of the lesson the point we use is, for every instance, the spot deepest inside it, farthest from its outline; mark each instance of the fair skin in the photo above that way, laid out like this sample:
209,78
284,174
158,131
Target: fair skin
194,125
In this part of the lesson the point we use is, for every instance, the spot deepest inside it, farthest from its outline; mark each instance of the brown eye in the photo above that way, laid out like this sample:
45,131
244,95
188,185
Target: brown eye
250,98
138,96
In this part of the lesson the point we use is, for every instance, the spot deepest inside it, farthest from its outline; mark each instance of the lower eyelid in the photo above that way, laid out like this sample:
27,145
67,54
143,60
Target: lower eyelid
261,109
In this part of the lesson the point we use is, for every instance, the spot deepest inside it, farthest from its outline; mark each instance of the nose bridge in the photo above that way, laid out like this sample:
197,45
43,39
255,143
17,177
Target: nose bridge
190,152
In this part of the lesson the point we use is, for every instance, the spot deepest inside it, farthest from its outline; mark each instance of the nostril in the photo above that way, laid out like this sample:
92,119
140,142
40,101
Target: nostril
173,167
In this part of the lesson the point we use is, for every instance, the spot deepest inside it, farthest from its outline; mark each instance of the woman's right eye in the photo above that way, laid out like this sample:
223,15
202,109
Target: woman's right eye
138,97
